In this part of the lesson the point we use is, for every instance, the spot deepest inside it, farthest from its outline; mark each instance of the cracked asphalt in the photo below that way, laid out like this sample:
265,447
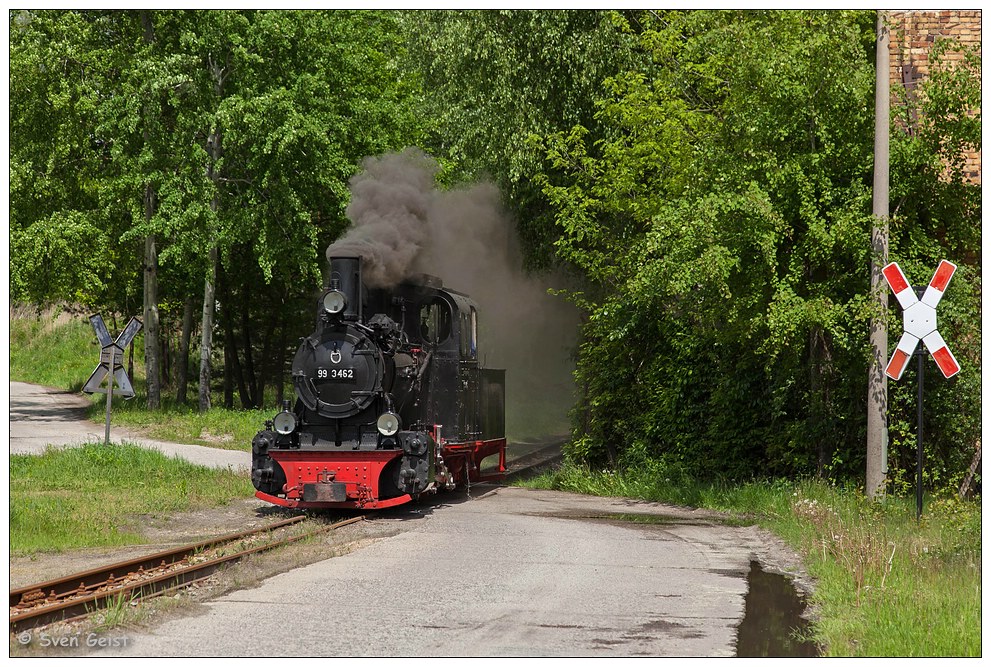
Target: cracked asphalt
505,572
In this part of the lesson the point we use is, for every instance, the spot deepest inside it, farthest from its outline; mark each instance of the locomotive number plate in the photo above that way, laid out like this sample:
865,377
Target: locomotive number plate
335,375
332,492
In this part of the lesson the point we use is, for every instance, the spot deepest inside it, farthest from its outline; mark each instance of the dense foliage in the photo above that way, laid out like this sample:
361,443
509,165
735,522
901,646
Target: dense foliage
495,80
723,225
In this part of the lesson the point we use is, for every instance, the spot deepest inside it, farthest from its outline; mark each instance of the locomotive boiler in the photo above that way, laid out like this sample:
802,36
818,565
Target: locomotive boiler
392,401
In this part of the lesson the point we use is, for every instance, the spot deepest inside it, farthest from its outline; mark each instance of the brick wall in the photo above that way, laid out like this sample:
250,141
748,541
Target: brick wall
913,34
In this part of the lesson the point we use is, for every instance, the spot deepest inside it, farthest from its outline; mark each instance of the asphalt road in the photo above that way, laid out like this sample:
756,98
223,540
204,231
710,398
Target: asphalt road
501,571
511,572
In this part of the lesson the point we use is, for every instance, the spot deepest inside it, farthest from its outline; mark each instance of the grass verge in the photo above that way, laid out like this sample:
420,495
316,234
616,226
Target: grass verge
886,585
55,348
94,495
217,427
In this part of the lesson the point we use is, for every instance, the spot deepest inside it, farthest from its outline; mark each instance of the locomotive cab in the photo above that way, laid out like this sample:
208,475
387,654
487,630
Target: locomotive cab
391,400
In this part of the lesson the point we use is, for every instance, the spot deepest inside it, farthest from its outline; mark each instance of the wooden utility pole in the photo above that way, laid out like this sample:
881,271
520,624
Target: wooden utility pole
877,383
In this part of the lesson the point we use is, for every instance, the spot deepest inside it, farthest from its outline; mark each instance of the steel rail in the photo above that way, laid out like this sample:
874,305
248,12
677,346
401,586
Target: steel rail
86,592
65,585
534,463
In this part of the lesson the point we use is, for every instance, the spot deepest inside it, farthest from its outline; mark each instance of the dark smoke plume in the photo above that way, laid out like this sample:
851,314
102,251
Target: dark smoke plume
390,203
402,225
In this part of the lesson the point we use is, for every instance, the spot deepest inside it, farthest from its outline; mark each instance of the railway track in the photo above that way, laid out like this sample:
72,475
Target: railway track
86,592
535,462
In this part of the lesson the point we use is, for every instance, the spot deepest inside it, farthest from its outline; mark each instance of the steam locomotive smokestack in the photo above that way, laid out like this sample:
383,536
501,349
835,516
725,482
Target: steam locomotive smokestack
346,273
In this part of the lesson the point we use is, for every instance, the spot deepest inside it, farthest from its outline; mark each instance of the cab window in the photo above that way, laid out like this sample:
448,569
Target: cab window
435,322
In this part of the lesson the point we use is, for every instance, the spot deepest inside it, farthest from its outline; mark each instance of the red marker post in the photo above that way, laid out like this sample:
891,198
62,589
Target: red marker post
920,325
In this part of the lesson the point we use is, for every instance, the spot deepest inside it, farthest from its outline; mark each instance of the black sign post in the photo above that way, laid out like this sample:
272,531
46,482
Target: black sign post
111,364
920,353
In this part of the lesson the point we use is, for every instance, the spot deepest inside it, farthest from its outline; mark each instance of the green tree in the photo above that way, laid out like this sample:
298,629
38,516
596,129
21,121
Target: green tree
723,226
290,103
493,79
63,243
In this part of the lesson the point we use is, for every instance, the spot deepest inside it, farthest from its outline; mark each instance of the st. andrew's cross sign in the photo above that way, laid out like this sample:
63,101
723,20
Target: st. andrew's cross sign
111,363
111,358
920,325
920,320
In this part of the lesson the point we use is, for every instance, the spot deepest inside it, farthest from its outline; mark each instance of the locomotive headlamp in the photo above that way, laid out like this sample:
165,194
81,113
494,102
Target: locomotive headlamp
334,302
388,423
284,422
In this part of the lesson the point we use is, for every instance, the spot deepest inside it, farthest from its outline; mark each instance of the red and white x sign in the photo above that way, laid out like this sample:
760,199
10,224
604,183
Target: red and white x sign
920,320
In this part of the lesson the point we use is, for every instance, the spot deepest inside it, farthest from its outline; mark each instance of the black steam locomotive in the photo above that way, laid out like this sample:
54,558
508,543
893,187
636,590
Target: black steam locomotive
392,401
